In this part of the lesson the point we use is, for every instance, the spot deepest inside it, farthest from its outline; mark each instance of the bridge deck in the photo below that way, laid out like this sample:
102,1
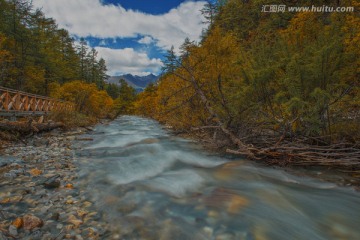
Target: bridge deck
21,114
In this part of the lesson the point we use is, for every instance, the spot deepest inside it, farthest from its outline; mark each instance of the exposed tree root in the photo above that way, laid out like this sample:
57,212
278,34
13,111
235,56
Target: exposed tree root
295,152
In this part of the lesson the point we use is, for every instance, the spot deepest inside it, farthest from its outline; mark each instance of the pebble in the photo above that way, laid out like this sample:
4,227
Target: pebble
73,220
13,230
225,236
18,223
31,222
36,235
10,175
53,182
15,165
79,237
208,232
55,216
37,189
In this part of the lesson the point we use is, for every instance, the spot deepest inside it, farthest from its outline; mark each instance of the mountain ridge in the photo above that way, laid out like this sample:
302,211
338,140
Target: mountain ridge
137,82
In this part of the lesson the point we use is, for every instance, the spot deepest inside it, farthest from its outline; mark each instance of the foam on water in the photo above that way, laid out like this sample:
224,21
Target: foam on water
138,168
199,160
150,160
117,140
176,183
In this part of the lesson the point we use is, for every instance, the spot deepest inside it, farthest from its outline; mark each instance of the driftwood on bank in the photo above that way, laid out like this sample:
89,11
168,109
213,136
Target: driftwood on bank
309,155
344,156
29,126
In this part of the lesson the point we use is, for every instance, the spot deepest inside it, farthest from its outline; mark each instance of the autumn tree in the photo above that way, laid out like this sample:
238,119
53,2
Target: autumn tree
124,102
146,102
262,78
87,98
36,55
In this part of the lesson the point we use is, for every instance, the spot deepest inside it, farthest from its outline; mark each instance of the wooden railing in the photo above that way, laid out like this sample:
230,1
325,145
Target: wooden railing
17,103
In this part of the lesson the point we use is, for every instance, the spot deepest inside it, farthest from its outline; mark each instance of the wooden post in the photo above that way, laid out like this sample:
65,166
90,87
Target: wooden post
6,100
26,103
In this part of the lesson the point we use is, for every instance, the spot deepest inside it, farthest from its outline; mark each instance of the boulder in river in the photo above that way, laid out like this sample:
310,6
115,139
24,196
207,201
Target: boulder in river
222,197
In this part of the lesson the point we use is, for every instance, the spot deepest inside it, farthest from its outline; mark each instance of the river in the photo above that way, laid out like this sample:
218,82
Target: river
150,184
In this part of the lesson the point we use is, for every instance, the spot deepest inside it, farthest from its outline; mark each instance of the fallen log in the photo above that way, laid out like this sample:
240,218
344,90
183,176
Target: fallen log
29,127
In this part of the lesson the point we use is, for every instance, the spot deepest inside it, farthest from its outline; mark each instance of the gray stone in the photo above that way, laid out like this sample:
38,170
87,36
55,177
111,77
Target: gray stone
14,165
19,171
10,175
47,236
36,235
13,230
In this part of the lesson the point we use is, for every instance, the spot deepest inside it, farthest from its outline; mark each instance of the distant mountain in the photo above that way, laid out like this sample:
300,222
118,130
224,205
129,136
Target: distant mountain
137,82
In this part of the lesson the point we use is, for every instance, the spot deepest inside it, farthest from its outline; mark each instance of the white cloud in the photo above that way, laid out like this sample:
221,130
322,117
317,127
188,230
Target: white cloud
146,40
90,18
127,60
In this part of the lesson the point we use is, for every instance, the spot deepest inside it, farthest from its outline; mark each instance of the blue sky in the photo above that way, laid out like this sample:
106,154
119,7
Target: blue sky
131,35
147,6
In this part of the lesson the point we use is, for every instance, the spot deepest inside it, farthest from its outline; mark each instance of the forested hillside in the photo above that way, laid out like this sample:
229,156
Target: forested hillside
37,56
260,80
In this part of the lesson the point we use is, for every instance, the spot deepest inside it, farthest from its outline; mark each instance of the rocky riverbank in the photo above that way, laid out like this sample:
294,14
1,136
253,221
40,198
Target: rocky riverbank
39,197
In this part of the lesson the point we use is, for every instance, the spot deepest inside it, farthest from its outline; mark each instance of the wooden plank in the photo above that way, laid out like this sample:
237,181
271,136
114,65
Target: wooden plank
21,114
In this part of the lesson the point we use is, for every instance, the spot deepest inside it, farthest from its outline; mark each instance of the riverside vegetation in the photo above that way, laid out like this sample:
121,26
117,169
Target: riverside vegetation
280,88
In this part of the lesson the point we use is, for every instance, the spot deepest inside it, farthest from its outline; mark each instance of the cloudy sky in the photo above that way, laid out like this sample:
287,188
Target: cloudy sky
131,35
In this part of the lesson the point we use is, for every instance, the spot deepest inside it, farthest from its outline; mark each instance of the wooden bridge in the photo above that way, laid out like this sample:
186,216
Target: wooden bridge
15,103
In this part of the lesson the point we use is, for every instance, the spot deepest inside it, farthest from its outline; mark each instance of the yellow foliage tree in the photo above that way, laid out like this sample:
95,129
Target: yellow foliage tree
101,104
87,98
146,103
211,68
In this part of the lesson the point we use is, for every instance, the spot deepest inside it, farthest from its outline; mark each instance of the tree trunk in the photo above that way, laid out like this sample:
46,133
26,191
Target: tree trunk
29,127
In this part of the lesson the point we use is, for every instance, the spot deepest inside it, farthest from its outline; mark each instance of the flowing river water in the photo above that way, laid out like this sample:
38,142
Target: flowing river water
152,185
